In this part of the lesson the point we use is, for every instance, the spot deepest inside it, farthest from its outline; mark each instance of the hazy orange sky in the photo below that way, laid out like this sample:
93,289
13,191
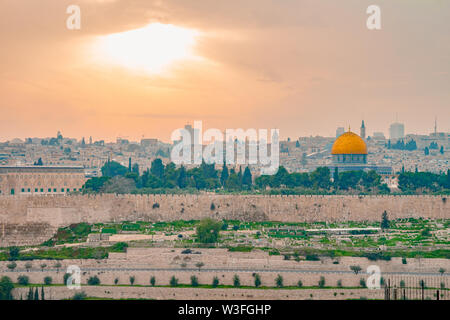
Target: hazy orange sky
304,67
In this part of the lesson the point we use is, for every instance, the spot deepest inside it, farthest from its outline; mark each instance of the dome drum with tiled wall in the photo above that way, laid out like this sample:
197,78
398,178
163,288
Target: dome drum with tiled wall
349,148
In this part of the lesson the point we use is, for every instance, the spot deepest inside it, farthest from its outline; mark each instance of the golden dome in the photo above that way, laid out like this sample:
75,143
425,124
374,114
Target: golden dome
349,143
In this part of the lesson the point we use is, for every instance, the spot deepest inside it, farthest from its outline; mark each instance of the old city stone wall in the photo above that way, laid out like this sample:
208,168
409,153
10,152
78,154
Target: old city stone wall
58,210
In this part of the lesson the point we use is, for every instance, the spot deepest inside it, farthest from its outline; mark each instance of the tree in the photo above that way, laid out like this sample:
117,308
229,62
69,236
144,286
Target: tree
199,265
194,281
39,162
14,253
28,266
299,283
208,230
48,280
57,266
384,221
362,283
30,295
182,178
6,287
442,271
247,178
11,266
157,168
36,294
135,169
257,280
23,280
224,175
426,151
112,169
93,281
215,282
153,281
279,281
322,282
42,293
320,178
173,281
118,185
355,269
132,278
43,266
441,151
79,296
236,281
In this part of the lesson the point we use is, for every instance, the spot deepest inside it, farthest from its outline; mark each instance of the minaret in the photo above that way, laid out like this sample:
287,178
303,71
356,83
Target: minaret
363,130
435,126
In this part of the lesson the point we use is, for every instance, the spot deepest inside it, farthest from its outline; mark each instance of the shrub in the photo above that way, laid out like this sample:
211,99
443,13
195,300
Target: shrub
208,230
355,269
132,278
93,281
57,266
257,280
402,283
215,282
6,287
48,280
339,283
66,277
28,266
23,280
153,281
199,265
299,283
404,260
279,281
173,281
194,281
14,253
312,257
11,266
236,281
362,283
116,280
322,282
79,296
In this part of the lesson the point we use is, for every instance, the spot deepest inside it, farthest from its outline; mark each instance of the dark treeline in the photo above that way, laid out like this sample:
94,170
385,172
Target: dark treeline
161,178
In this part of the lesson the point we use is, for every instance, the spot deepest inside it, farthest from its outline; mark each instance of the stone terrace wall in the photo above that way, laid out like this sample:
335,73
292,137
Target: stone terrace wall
64,210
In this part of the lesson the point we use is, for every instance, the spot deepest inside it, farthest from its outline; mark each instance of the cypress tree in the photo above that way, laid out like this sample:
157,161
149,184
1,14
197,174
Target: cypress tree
224,175
247,178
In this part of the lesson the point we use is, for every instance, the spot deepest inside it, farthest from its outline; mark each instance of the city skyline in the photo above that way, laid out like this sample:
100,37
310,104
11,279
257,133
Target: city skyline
305,68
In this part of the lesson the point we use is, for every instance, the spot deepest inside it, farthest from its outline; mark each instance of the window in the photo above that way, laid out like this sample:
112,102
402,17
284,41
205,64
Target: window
28,190
12,191
62,189
35,189
23,189
42,189
49,190
54,190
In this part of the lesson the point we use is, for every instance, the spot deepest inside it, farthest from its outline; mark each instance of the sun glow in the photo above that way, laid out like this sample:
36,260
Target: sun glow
152,49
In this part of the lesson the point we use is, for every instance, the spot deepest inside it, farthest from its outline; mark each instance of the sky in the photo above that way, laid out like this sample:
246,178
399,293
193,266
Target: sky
143,68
